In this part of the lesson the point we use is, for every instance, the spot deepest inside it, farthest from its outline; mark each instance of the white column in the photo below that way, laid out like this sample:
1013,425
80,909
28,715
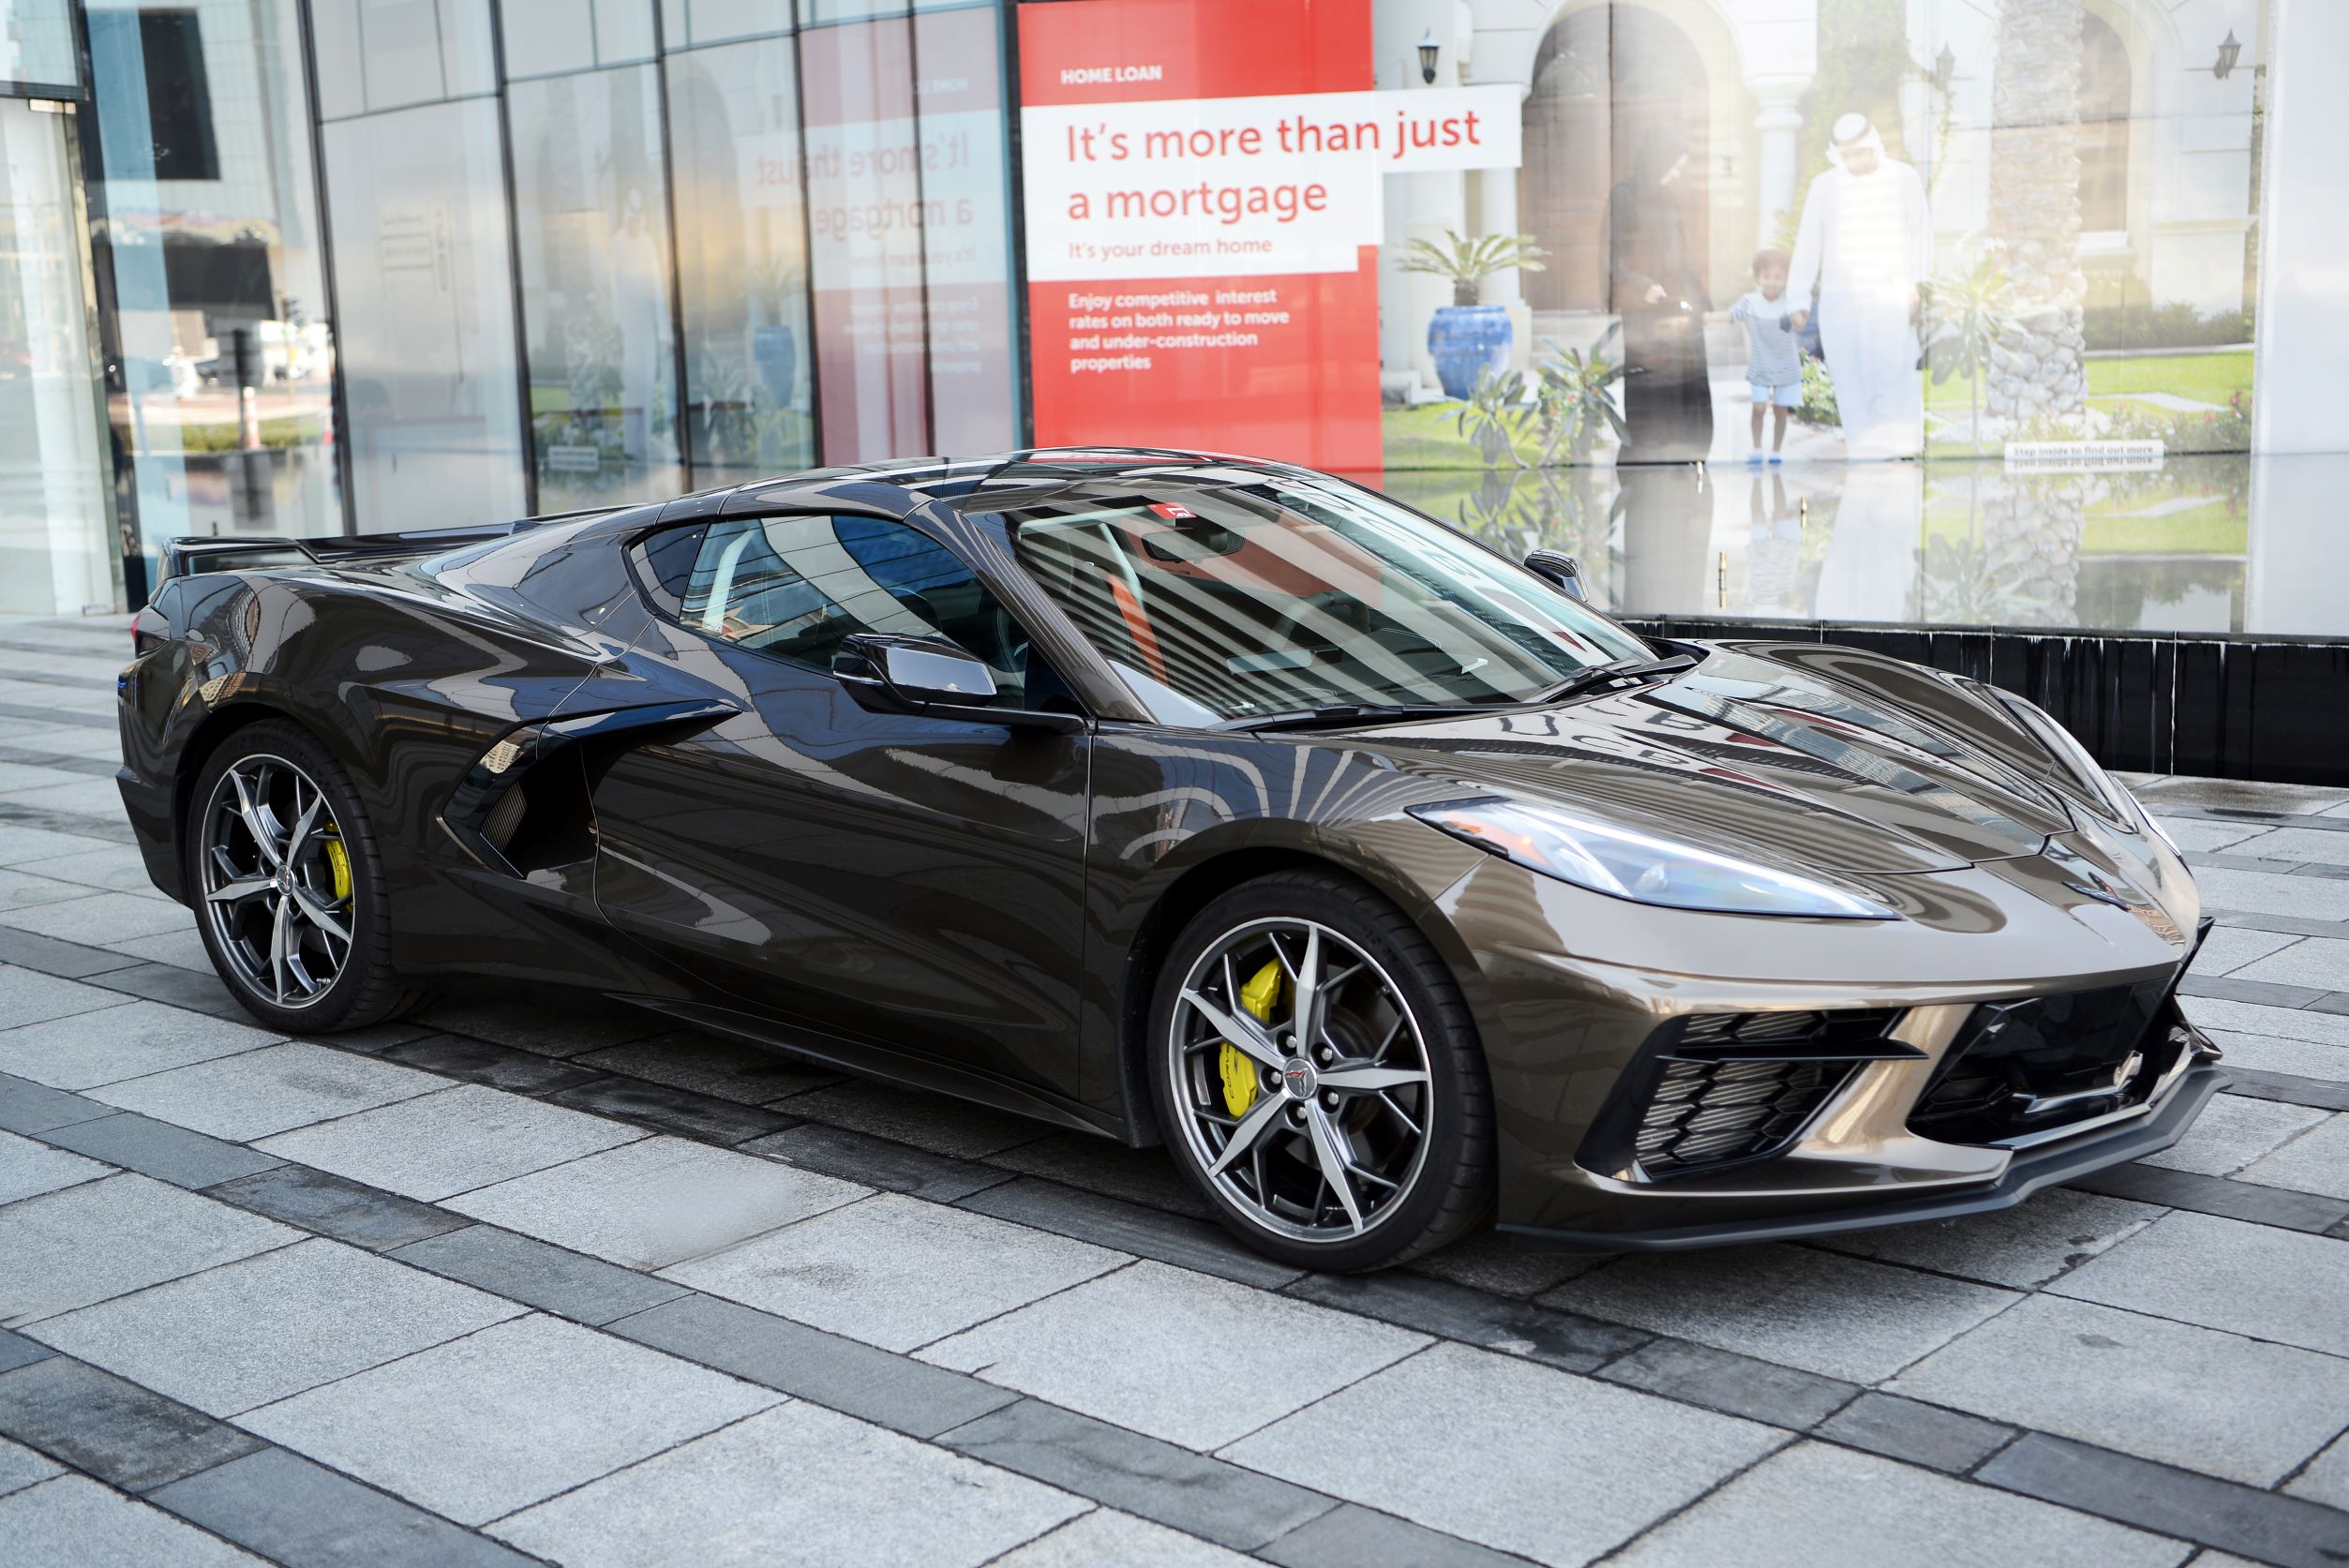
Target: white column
1496,214
1780,118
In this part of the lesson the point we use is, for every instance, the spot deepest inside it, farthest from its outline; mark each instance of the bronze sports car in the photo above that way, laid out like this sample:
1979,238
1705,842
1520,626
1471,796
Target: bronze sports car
1197,800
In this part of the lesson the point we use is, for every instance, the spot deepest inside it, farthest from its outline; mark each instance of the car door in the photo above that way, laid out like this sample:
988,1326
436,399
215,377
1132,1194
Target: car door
907,881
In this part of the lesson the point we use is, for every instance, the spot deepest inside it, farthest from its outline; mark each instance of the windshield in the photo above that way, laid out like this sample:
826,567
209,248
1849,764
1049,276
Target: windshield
1217,599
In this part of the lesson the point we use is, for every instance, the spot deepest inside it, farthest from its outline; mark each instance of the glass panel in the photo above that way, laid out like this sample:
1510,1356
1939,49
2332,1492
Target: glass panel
795,588
400,46
735,114
716,21
623,31
418,203
37,43
865,247
592,209
211,234
544,37
58,551
467,59
967,241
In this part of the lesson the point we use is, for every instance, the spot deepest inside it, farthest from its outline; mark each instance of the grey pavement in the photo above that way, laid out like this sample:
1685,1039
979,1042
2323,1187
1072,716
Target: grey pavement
526,1282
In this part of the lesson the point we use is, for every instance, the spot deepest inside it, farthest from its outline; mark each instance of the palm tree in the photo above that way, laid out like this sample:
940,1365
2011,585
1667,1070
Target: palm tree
2035,210
1970,317
1466,263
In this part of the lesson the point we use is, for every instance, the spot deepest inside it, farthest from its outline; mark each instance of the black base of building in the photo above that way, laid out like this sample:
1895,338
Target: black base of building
2271,708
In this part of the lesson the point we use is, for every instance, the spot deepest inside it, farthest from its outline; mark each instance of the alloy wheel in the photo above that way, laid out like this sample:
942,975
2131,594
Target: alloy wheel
1301,1079
276,881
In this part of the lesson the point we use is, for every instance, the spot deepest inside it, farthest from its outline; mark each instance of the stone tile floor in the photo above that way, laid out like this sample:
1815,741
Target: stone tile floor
506,1284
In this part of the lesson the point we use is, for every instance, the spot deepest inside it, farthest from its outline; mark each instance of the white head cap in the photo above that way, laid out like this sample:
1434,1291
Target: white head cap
1849,133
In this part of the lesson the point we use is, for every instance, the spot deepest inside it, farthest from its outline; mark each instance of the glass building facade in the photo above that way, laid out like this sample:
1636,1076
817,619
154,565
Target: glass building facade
312,267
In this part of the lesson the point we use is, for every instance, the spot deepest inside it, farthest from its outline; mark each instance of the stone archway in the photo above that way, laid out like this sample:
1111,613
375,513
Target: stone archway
1606,79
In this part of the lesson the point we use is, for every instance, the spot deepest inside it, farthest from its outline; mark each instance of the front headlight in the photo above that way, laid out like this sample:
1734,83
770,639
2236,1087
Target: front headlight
1623,862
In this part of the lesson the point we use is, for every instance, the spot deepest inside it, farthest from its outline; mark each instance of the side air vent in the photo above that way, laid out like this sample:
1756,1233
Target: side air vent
1707,1113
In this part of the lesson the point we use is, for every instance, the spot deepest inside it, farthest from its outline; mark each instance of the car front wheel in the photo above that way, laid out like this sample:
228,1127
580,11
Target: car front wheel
1318,1076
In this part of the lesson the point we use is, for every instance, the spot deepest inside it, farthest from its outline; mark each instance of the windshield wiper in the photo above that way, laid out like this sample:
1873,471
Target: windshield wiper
1352,713
1607,674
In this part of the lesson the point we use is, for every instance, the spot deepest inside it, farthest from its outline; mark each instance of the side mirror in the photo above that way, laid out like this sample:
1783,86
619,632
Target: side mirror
894,674
1561,569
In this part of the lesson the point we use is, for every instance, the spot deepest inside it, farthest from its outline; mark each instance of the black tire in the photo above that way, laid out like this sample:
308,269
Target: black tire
1450,1188
365,989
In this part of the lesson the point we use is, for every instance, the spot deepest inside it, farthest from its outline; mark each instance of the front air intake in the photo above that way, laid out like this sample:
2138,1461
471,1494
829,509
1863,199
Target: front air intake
1716,1112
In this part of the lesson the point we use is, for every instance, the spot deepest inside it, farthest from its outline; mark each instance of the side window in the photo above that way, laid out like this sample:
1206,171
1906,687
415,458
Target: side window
794,588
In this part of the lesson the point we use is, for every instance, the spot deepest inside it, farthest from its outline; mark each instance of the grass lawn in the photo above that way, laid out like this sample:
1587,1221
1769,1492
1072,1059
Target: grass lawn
1428,436
2206,378
2201,531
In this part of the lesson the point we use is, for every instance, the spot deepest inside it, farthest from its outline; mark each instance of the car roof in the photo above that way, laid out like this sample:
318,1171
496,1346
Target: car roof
951,479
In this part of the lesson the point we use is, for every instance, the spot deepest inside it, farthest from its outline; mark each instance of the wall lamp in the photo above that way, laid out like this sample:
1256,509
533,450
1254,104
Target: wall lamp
1428,48
2229,52
1944,69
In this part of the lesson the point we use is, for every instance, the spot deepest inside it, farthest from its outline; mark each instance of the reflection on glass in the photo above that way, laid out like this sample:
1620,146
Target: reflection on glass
417,197
967,242
210,229
593,231
36,44
733,112
57,550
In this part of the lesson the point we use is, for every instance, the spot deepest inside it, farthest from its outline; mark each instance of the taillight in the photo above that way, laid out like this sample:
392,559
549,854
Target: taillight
150,629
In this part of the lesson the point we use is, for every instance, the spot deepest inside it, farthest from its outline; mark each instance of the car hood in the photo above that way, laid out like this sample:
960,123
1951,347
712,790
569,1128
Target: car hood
1817,756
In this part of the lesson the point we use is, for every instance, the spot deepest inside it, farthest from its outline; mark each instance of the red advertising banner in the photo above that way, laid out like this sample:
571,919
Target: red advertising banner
1201,279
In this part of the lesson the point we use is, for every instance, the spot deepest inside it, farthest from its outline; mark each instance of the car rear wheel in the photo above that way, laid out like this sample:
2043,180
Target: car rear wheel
288,887
1318,1076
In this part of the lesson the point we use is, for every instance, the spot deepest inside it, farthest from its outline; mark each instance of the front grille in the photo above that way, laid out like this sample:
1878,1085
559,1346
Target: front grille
2043,1063
1722,1089
1707,1113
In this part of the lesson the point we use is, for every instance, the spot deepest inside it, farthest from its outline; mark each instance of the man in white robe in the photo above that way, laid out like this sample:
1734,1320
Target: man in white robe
1866,243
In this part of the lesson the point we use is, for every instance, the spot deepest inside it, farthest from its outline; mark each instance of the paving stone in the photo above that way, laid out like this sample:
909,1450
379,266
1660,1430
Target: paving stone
118,867
2230,947
159,1149
29,996
73,1522
1488,1261
2194,1397
1734,1385
2022,1248
2316,1161
440,1145
1916,1433
857,1495
706,1065
47,955
1554,1338
2264,993
2232,1131
1140,1476
2236,795
482,1425
252,1332
256,1093
20,1468
894,1271
549,1030
569,1284
2270,893
99,919
1517,1469
1106,1535
28,1168
937,1123
1092,1163
292,1511
2223,1274
2318,1094
703,1117
189,991
1795,1305
1159,1350
500,1067
346,1210
24,890
2272,1054
2326,846
119,1432
859,1157
1351,1537
1819,1506
27,1107
173,950
2327,1478
2321,962
840,1374
2196,1193
1171,1238
657,1201
71,1247
2274,1529
2195,836
16,1351
23,845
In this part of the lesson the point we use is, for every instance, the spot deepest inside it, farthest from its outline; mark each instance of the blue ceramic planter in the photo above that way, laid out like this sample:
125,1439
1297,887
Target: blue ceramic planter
1463,340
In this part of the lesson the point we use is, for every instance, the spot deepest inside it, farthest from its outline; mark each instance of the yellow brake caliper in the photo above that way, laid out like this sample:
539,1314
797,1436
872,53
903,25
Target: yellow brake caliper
338,861
1260,996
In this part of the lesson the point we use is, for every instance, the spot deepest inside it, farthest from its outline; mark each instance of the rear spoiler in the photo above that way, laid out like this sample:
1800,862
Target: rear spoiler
187,556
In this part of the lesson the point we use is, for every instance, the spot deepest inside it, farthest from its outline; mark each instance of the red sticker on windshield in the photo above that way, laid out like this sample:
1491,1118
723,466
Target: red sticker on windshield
1172,513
